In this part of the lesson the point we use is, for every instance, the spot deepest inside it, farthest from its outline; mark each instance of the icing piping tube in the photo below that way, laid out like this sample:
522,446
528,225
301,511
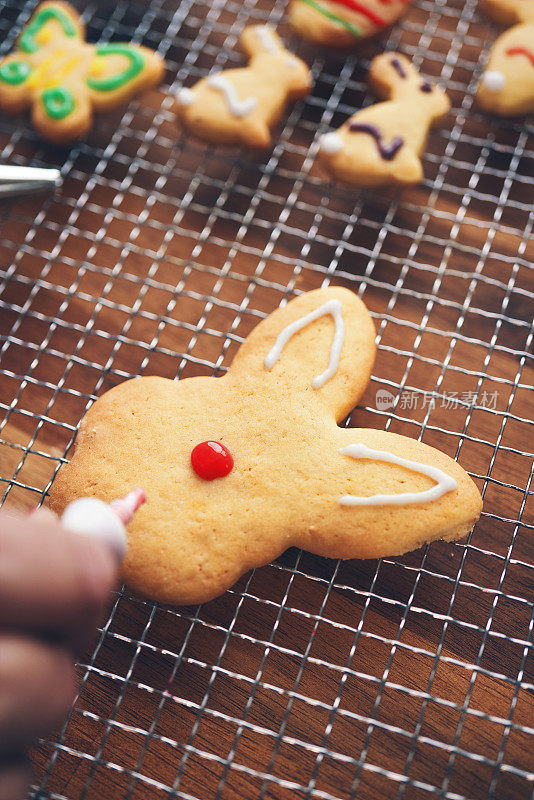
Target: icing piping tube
91,517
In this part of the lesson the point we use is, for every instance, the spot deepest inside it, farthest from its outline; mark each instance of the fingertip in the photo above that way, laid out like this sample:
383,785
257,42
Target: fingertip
42,514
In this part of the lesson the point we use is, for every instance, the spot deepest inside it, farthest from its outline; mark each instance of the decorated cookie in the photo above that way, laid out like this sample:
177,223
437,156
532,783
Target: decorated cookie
342,23
62,79
383,143
239,468
507,84
241,105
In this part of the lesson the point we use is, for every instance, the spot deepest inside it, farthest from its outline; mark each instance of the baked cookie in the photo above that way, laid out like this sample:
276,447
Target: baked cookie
342,23
382,144
507,84
241,105
239,468
62,79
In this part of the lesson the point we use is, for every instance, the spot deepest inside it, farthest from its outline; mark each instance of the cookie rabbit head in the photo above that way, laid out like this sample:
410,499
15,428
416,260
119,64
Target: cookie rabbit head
269,56
290,475
382,143
393,76
507,84
241,105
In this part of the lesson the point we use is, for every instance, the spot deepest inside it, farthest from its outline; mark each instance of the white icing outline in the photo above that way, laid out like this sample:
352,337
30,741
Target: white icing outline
332,307
444,482
239,108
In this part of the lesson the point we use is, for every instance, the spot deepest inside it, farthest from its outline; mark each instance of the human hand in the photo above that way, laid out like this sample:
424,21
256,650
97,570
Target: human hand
53,588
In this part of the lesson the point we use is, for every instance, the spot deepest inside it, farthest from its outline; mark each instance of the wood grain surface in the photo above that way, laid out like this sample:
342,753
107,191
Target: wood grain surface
409,678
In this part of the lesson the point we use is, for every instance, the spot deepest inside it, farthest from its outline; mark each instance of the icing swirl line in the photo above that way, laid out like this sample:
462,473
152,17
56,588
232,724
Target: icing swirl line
332,307
444,482
360,8
387,151
239,108
521,51
333,17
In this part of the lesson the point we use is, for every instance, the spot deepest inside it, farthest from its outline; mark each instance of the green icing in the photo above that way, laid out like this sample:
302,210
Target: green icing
334,17
136,62
27,41
14,72
58,102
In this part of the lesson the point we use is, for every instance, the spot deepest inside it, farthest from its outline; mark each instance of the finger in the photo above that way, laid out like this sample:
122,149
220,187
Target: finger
15,777
43,514
51,580
36,690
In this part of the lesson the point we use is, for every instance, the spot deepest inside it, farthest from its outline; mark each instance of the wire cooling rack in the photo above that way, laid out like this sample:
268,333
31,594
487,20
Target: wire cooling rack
405,679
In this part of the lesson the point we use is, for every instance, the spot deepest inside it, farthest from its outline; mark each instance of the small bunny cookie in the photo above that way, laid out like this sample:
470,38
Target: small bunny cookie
507,84
239,468
381,144
62,79
343,23
241,105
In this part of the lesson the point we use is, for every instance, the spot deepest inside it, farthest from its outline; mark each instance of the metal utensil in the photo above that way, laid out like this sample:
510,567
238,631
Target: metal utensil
15,180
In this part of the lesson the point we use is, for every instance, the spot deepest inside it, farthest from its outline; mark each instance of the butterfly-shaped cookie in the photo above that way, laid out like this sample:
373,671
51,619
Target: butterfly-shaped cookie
62,79
507,84
239,468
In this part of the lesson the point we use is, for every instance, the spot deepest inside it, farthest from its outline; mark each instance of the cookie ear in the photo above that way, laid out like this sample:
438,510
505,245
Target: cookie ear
384,495
260,39
321,344
392,74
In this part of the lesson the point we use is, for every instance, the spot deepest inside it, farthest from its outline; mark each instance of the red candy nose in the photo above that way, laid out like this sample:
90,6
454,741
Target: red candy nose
211,460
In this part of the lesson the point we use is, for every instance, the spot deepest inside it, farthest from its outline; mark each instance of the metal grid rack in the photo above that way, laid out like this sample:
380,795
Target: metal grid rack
406,678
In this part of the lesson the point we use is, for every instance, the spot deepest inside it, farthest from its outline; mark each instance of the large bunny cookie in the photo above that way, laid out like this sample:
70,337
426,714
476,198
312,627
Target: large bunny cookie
382,143
62,78
289,474
342,23
242,105
507,84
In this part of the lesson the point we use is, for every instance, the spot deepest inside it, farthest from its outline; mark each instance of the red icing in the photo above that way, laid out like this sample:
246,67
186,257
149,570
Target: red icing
354,5
211,460
521,51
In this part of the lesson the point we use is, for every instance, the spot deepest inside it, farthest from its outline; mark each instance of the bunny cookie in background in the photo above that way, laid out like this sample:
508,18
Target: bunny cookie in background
343,23
382,144
507,84
62,79
241,105
237,469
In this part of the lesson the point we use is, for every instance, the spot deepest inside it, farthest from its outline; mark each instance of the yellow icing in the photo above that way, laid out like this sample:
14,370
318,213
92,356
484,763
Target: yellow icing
97,67
44,36
51,72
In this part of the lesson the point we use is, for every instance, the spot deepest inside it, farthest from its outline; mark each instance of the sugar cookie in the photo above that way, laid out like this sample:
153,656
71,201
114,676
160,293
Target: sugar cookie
507,84
343,23
282,472
62,79
241,105
382,143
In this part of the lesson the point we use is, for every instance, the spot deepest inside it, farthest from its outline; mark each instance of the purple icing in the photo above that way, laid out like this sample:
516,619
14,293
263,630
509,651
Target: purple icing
426,87
397,66
387,151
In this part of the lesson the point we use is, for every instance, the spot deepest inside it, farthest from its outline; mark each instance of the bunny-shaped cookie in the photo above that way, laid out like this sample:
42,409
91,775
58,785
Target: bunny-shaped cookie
241,105
507,84
382,143
343,23
288,475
